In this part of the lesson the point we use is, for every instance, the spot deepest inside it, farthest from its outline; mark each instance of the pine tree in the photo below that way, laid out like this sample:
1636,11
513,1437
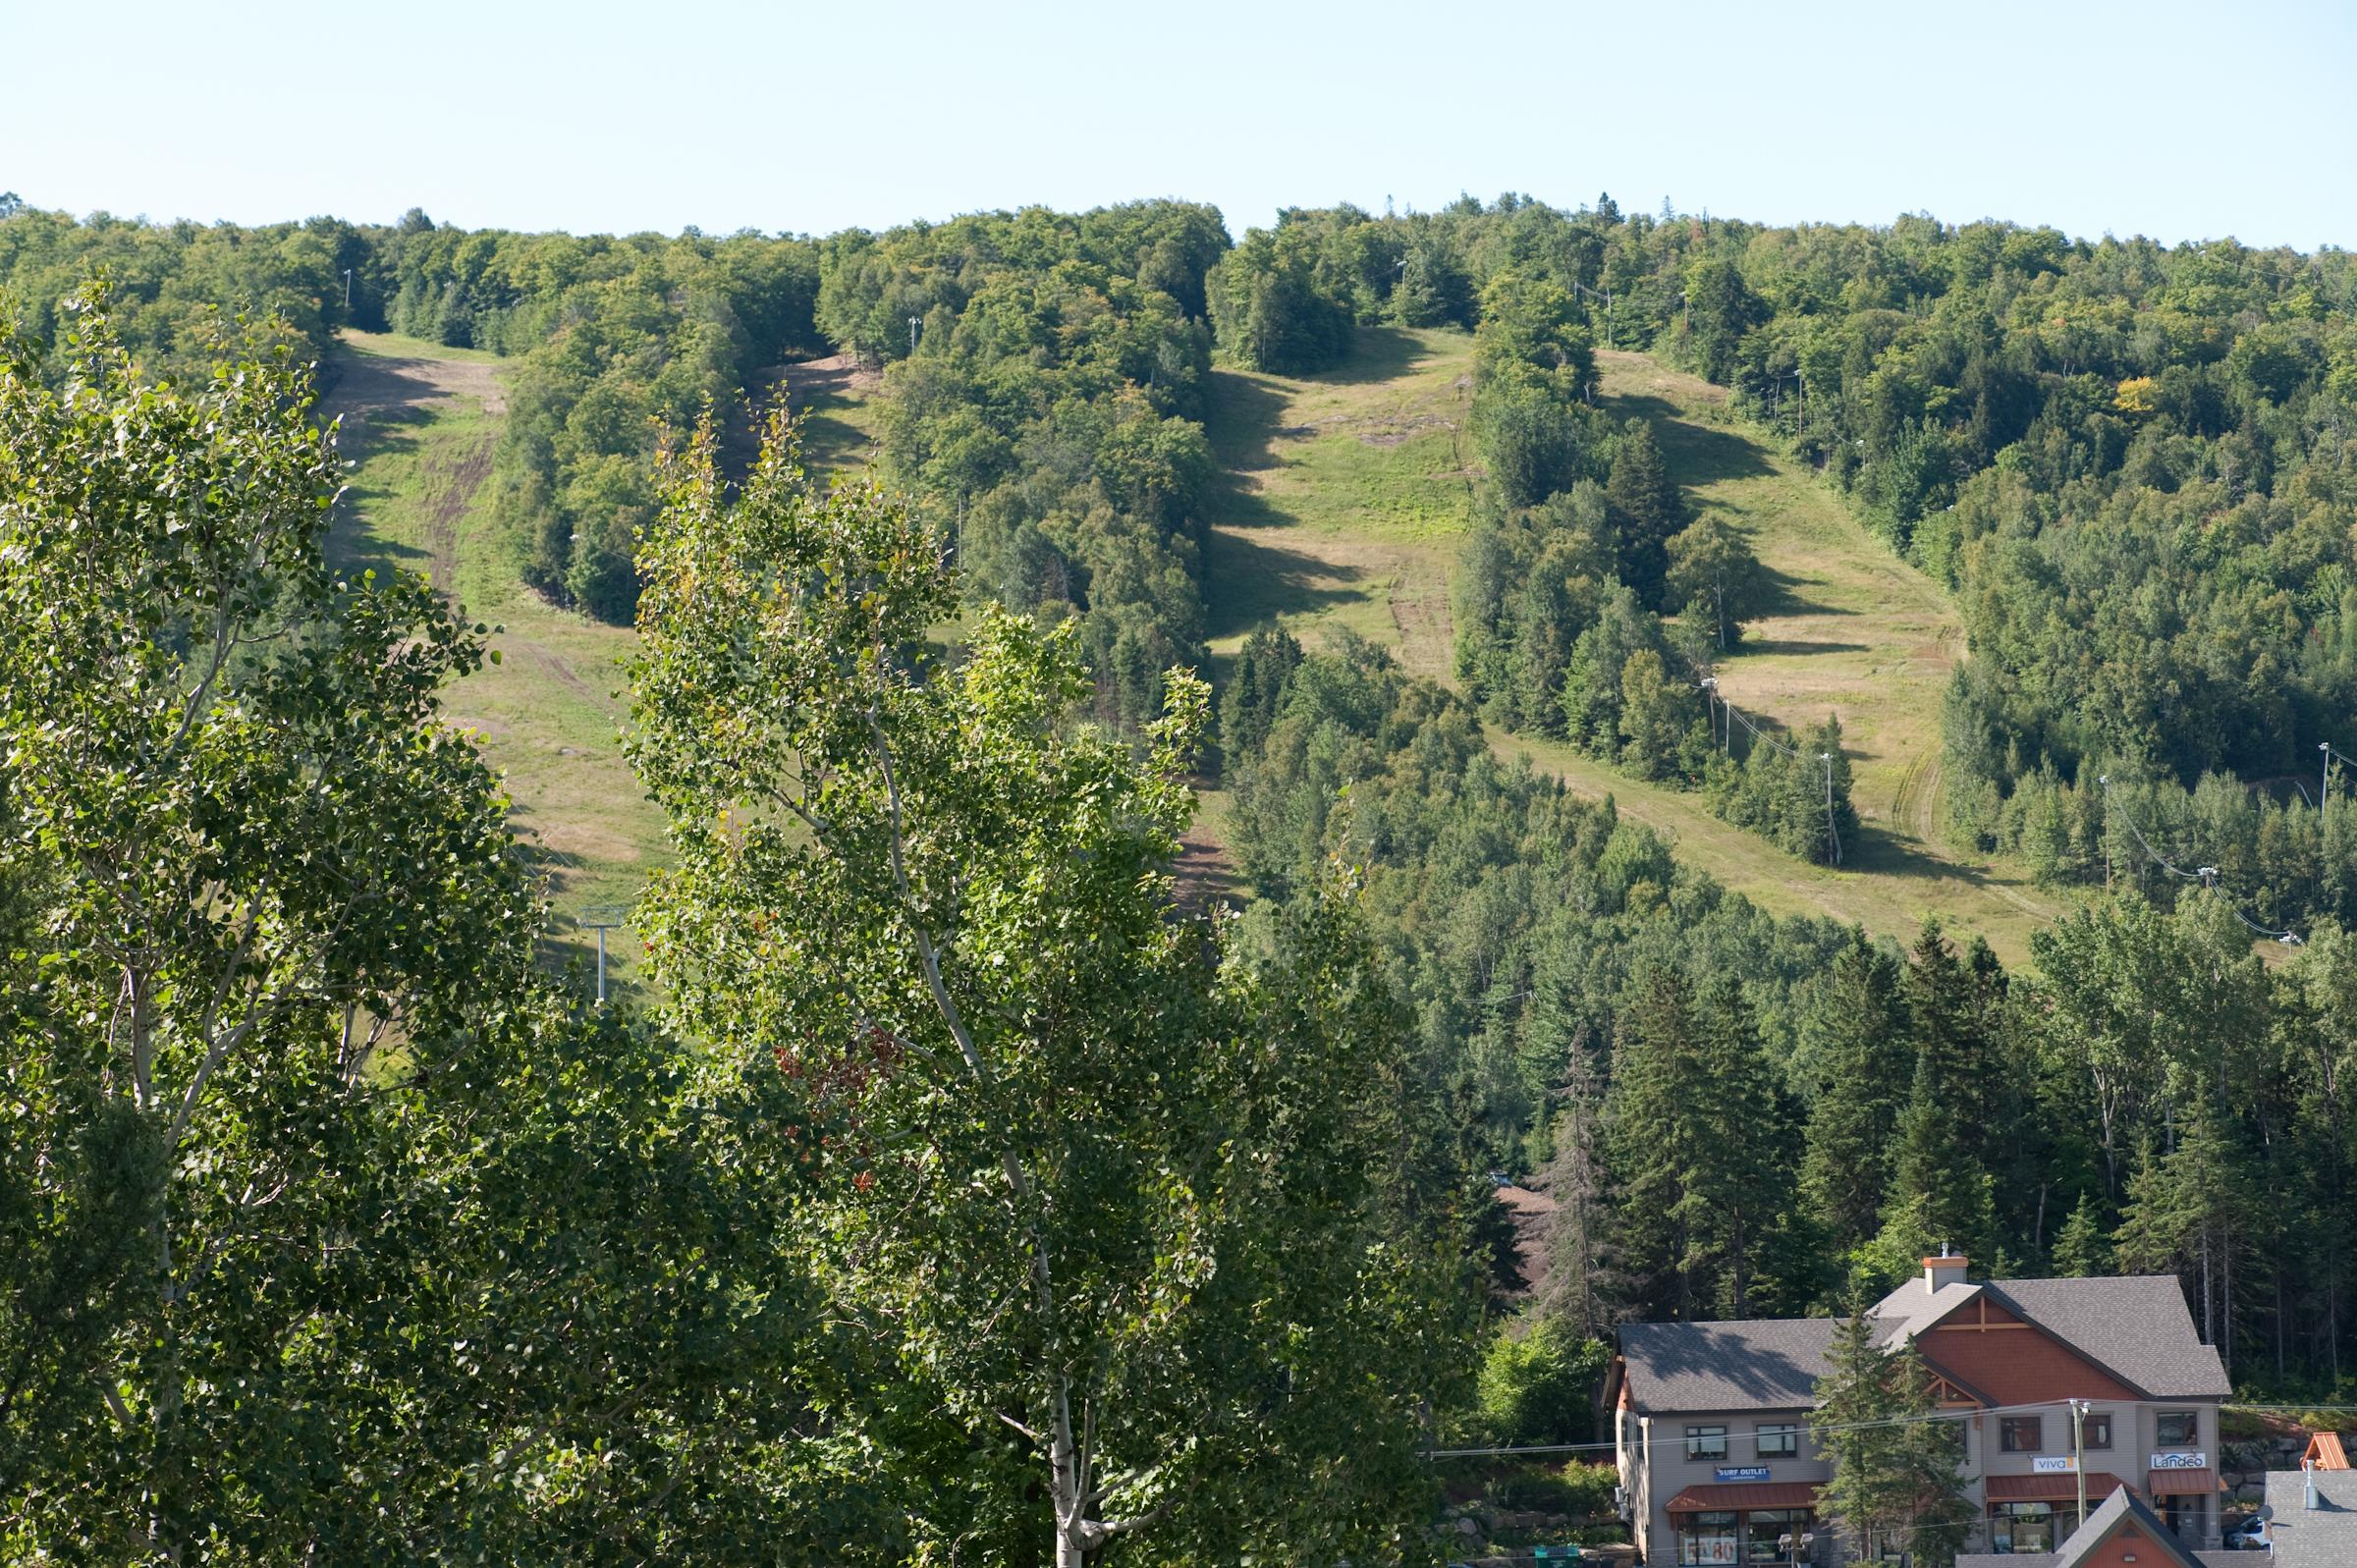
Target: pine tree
1940,1191
1895,1484
1263,668
1852,1037
1646,509
2082,1250
1660,1143
2190,1210
1749,1128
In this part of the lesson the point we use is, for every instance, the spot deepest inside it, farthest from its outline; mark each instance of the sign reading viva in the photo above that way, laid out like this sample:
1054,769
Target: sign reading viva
2051,1464
1740,1473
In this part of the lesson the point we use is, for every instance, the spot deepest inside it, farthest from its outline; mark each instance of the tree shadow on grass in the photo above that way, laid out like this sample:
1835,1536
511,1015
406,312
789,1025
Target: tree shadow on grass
1785,598
1256,583
352,544
1794,645
1698,453
1377,354
1239,418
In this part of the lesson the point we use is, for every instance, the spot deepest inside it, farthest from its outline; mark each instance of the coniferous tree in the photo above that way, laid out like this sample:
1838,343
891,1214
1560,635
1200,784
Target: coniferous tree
1646,511
1663,1087
1895,1484
1939,1188
1748,1181
1853,1034
2082,1249
2190,1211
1263,665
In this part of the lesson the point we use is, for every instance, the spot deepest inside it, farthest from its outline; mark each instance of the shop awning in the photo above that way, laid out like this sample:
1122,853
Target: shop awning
1742,1494
2180,1483
2052,1488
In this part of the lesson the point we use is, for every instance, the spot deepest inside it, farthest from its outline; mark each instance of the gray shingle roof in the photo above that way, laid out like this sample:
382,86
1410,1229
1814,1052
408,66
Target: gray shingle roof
1914,1306
2306,1537
1757,1364
2137,1325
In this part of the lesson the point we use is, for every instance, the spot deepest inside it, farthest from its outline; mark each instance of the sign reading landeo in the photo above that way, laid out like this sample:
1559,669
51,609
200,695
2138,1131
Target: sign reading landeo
2196,1460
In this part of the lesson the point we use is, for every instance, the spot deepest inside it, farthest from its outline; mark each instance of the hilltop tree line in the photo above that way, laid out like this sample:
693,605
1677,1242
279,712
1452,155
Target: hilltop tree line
1739,1115
2132,464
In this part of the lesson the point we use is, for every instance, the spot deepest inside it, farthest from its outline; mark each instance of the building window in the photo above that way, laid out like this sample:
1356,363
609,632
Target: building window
2095,1430
2015,1527
1706,1442
2022,1435
1774,1535
1780,1441
1708,1539
2178,1429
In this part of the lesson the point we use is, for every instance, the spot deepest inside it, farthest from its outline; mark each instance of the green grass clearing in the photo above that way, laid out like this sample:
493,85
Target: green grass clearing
1347,500
420,423
1345,497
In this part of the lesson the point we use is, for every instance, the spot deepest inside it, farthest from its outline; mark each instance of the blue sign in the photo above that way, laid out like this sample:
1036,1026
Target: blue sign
1740,1473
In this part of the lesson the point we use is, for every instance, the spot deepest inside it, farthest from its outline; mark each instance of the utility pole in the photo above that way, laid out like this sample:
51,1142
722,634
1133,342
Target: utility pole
1605,295
347,288
1711,705
601,919
2324,785
2105,780
1833,834
2078,1465
913,320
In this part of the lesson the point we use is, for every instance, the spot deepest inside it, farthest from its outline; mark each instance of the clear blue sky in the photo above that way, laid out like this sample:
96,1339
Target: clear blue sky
2174,119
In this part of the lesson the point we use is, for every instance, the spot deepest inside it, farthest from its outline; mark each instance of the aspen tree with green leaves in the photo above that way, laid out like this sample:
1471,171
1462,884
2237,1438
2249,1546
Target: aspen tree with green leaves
1110,1185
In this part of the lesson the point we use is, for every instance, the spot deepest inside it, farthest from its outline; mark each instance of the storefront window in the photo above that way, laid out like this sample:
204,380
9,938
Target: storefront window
2022,1435
2015,1527
1708,1539
1706,1442
1779,1443
2096,1429
2176,1429
1774,1535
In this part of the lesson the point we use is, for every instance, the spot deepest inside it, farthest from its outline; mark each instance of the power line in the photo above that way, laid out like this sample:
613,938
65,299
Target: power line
2206,875
1878,1424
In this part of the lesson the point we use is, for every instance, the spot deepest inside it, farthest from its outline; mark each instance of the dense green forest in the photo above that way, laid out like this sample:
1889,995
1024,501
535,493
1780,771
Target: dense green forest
1740,1114
963,1155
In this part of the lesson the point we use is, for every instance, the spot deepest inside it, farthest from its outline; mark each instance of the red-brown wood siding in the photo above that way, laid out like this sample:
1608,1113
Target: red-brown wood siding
1991,1349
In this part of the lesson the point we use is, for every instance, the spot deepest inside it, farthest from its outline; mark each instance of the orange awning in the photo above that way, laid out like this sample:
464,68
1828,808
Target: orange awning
2052,1488
1745,1495
2180,1483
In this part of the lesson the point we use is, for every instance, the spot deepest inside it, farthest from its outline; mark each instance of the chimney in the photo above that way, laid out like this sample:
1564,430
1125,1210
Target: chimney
1946,1270
2308,1486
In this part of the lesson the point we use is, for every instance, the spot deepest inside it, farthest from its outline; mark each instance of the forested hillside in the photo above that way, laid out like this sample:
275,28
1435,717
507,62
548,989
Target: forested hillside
1740,1114
2129,463
919,736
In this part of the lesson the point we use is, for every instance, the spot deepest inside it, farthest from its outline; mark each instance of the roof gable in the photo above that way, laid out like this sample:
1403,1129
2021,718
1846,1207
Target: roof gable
2133,1329
2121,1515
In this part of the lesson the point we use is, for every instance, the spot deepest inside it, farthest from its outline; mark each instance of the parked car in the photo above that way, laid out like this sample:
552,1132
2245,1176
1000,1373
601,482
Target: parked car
2249,1535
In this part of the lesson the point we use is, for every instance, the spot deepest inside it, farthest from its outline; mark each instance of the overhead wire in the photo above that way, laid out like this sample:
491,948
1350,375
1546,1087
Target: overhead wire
2201,875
